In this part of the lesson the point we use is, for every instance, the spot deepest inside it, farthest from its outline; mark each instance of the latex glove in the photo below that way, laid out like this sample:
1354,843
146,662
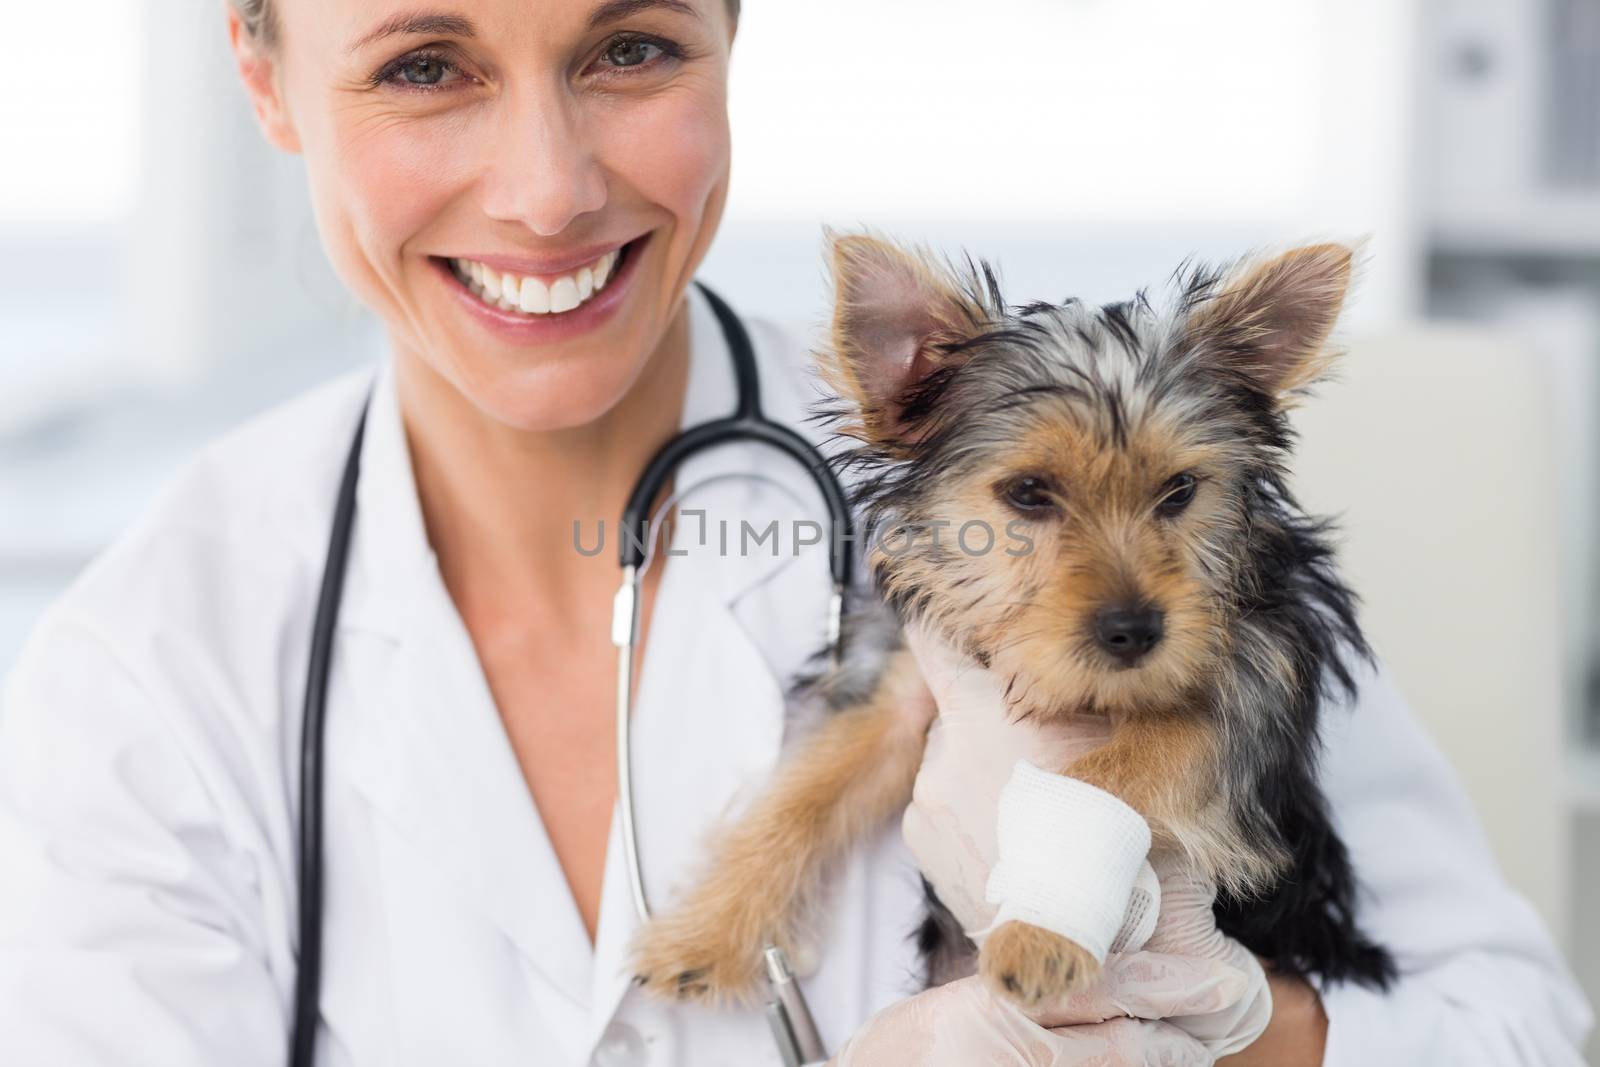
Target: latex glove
972,747
962,1023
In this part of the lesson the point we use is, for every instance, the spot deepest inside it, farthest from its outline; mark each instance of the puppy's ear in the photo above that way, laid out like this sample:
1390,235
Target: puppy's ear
1272,319
893,313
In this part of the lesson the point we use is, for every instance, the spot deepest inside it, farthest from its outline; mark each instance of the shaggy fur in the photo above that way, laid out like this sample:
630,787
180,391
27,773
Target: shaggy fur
1187,370
1137,452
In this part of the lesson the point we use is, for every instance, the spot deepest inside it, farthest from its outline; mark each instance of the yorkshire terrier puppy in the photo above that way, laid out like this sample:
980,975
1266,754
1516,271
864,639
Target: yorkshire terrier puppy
1173,584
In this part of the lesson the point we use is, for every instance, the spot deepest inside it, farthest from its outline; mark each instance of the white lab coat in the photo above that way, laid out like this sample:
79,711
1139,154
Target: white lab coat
148,775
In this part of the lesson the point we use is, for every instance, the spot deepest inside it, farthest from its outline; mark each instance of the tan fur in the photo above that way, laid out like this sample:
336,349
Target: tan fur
762,882
1159,764
1031,965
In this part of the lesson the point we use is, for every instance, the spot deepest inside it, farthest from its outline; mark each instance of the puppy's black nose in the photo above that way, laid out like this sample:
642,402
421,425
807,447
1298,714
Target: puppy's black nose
1128,632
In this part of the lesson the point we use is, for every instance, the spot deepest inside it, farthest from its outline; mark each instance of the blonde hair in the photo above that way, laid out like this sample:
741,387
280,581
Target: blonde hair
259,18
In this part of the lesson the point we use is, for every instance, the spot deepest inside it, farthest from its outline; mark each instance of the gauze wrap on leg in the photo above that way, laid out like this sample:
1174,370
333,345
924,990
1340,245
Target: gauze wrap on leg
1144,908
1068,857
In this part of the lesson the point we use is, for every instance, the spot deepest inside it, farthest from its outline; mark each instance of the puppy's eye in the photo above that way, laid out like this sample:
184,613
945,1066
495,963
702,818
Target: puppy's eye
1029,493
1176,494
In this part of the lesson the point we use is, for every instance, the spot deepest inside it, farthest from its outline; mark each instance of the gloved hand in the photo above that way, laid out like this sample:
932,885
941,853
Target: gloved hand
963,1023
1187,971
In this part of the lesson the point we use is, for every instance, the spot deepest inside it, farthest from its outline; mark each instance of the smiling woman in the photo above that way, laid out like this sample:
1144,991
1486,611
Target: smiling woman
521,192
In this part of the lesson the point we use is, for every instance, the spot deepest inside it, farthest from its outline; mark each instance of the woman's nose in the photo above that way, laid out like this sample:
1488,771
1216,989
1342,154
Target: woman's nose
541,168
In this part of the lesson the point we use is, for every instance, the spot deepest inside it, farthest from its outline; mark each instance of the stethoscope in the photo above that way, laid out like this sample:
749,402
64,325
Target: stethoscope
790,1019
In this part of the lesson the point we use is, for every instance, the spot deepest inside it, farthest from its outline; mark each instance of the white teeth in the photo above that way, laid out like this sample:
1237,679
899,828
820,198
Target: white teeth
533,296
563,295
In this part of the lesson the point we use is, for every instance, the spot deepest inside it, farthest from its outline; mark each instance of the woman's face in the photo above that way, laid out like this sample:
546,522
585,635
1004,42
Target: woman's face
521,188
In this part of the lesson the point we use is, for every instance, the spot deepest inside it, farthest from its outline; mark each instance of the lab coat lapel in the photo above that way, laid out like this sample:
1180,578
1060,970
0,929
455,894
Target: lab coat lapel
431,753
446,779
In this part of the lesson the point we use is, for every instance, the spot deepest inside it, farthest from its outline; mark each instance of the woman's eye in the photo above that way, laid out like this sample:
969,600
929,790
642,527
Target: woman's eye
633,52
1029,493
1176,494
421,70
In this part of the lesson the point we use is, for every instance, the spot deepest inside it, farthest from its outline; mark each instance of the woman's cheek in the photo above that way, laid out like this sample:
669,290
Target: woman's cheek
675,151
396,179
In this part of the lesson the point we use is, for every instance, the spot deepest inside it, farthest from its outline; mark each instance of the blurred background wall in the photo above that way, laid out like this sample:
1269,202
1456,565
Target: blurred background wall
163,281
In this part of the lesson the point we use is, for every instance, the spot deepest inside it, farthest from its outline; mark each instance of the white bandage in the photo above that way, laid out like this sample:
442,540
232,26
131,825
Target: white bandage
1144,908
1068,857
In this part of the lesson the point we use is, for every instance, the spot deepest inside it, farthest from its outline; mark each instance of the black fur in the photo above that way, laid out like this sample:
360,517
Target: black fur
947,952
1305,925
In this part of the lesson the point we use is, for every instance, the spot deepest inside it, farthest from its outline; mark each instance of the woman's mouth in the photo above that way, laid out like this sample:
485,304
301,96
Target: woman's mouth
530,302
538,295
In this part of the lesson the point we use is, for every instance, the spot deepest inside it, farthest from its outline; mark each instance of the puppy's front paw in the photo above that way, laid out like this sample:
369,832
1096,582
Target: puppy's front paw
695,954
1029,964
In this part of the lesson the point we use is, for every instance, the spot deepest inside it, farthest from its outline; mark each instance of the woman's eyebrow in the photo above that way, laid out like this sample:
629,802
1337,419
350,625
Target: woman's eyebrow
615,10
418,22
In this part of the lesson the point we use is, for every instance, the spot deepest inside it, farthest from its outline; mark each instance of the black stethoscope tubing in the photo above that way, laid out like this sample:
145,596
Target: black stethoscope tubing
747,423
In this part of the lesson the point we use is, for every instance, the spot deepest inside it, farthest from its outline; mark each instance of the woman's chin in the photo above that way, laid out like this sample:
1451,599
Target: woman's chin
548,395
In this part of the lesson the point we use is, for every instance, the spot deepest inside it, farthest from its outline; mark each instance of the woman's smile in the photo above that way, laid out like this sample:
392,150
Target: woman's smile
530,301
